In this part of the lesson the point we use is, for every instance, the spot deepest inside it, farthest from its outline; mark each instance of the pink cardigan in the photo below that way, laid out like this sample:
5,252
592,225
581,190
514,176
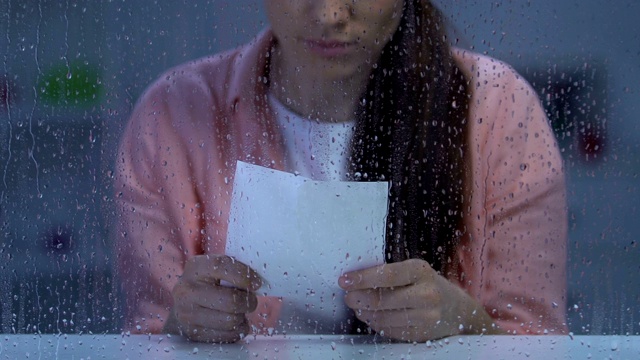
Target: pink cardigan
176,163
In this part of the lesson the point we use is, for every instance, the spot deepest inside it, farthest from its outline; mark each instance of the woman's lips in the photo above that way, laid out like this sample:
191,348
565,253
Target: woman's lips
329,48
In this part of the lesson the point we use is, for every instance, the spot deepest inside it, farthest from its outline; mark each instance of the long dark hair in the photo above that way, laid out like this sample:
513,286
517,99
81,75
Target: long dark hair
412,131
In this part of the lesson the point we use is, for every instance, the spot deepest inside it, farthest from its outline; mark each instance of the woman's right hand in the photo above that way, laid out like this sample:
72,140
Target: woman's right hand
203,310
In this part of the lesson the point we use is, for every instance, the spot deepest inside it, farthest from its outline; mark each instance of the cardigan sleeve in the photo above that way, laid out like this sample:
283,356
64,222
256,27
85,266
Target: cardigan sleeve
160,216
172,188
512,258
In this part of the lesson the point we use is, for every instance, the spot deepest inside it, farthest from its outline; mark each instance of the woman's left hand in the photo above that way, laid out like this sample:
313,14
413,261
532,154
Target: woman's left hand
409,301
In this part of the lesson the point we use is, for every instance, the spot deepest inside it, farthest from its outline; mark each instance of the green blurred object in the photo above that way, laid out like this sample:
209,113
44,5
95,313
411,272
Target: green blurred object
76,84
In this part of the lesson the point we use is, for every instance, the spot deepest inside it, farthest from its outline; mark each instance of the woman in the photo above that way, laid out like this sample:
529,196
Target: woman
476,225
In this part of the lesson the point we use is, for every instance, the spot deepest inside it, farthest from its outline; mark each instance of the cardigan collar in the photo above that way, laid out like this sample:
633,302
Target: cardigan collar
248,100
250,71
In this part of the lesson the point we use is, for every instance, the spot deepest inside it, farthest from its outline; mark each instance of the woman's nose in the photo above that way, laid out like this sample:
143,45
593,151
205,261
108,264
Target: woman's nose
332,12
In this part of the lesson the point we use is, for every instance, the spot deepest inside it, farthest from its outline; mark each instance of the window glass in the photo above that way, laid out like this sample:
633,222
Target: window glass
72,73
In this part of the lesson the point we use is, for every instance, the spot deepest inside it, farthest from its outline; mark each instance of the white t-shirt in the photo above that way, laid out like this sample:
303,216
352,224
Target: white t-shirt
315,149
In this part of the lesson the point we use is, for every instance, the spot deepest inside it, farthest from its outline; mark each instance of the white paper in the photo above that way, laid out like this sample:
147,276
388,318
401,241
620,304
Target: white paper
301,235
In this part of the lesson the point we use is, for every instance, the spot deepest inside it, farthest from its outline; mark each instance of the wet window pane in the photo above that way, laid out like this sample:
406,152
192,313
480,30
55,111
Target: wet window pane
497,150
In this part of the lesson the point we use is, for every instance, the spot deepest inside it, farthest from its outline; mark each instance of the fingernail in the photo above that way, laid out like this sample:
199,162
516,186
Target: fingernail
346,281
262,281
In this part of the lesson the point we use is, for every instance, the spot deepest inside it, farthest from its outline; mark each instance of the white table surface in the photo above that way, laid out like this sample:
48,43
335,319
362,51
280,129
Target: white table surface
318,347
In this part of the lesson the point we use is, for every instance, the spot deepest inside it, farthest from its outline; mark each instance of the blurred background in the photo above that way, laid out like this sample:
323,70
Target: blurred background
71,72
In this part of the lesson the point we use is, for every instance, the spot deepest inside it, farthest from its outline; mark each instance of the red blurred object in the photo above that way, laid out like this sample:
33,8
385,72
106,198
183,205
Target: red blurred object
591,144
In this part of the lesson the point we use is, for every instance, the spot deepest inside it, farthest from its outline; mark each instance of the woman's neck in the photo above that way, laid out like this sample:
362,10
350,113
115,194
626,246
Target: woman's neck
307,92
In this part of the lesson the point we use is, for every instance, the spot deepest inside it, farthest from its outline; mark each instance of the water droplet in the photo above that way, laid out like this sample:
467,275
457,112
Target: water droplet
614,345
